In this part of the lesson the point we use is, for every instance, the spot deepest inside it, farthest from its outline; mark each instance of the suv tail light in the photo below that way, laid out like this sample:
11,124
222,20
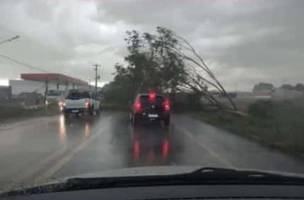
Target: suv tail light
152,96
166,105
137,106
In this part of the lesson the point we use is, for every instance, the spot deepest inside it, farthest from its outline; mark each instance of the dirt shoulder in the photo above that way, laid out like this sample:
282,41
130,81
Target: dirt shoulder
279,125
9,113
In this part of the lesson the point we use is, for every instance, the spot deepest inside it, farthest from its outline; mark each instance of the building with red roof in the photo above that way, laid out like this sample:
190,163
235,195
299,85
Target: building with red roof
44,83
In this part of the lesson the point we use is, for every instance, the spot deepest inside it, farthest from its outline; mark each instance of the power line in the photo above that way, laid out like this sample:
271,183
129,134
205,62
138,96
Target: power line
23,63
29,66
10,39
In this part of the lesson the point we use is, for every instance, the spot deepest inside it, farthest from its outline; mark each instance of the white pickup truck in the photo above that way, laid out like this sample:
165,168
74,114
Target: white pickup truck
78,103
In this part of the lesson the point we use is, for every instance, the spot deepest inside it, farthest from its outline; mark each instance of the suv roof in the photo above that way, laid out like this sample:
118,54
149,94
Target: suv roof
147,94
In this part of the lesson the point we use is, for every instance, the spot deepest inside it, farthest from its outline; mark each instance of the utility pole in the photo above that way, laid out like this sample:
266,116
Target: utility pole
96,76
46,91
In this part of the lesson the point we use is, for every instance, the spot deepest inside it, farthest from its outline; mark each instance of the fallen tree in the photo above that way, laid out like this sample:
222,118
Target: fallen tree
168,63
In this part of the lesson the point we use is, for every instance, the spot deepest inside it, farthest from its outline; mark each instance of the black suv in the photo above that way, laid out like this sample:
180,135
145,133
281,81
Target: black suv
150,107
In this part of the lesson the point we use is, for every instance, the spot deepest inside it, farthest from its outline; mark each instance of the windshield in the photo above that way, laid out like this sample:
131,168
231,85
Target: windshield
88,87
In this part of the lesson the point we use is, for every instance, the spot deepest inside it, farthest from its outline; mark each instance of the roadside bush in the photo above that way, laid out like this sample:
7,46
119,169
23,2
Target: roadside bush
277,124
8,112
261,109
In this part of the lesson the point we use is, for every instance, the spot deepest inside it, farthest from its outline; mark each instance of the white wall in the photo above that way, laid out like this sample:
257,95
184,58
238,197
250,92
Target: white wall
20,86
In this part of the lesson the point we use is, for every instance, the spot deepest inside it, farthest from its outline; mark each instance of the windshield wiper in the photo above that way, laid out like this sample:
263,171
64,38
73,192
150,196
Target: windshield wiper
234,176
202,176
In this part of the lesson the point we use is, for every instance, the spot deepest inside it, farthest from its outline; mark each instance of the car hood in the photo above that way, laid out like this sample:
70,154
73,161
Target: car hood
121,172
152,171
162,175
139,171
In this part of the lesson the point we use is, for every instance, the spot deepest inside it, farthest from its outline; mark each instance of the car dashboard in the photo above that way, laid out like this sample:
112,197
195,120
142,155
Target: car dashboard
178,192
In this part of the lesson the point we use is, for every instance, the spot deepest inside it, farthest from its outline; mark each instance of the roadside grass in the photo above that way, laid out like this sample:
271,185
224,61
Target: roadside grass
16,112
279,125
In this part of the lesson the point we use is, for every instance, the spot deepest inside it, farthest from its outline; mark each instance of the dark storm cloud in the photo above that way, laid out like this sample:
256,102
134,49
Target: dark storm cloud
243,41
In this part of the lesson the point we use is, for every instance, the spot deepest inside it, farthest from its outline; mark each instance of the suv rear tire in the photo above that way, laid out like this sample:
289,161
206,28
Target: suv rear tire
167,121
134,121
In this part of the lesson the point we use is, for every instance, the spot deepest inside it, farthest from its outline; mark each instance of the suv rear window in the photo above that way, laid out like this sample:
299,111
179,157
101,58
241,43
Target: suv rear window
78,95
144,99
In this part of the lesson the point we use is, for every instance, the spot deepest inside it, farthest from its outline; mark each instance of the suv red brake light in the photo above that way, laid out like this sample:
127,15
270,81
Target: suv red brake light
152,96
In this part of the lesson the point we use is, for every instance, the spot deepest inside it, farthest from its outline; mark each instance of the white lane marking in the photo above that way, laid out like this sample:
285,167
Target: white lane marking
59,164
208,149
38,166
24,122
67,158
35,168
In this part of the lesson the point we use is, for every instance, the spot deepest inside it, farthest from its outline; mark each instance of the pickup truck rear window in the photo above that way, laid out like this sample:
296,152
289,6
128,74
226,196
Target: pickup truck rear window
78,95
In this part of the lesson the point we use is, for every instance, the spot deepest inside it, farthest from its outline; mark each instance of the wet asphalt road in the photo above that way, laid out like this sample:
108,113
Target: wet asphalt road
43,149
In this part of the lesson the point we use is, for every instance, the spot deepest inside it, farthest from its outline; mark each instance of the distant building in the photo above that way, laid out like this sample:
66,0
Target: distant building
5,93
263,91
25,86
244,95
283,94
45,84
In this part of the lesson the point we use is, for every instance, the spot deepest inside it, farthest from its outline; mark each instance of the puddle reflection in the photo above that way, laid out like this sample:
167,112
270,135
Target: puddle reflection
62,128
87,129
150,146
74,128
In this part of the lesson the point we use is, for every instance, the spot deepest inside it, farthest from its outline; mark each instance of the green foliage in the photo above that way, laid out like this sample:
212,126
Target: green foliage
262,109
186,102
152,64
299,87
287,87
9,112
263,86
275,124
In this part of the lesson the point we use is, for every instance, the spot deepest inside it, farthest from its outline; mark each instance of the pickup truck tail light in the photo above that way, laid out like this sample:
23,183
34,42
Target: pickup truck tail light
87,104
61,105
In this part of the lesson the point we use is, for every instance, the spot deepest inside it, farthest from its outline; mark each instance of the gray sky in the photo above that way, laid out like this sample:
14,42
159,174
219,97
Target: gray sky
244,41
